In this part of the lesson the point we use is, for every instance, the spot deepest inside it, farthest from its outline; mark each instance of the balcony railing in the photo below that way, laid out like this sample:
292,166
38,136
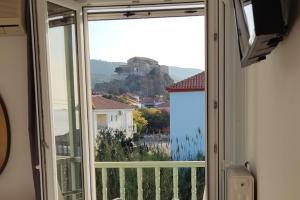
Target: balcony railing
156,165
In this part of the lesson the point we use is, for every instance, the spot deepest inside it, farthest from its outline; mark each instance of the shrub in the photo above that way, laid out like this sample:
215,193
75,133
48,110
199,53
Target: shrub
114,146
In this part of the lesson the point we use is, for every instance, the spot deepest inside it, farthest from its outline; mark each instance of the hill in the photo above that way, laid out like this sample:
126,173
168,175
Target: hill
104,71
140,76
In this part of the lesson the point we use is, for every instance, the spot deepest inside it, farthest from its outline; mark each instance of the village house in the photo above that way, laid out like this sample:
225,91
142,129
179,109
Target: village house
187,117
132,99
111,114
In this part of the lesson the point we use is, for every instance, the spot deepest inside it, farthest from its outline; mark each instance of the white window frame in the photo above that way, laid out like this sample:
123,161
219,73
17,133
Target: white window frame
213,99
48,148
232,138
87,55
48,143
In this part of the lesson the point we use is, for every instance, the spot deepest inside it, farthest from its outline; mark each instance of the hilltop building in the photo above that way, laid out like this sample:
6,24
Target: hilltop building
140,66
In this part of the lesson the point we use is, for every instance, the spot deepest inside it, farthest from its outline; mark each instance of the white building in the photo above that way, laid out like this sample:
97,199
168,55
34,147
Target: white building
110,114
187,117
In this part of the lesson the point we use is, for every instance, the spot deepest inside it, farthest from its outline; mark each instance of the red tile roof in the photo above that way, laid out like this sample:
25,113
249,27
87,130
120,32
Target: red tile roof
193,83
99,102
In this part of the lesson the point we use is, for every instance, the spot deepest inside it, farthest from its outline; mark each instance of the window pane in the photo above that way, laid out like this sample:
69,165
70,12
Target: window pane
148,104
65,101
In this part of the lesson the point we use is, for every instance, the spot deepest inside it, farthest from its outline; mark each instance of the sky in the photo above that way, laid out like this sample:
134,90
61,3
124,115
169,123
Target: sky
175,41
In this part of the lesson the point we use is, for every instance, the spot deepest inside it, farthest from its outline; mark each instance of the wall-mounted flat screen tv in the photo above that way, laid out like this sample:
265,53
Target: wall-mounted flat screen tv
260,28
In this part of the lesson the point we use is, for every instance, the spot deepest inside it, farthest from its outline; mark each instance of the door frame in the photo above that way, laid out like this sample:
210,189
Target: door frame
232,138
88,77
47,138
213,98
213,95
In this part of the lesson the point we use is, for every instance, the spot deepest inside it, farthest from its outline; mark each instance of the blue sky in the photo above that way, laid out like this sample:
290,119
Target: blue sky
176,41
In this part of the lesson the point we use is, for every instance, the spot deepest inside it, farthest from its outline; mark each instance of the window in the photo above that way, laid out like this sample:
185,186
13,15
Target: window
65,105
75,100
132,62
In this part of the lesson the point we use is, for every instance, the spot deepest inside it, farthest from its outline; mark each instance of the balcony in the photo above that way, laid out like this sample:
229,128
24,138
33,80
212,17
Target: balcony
139,166
68,188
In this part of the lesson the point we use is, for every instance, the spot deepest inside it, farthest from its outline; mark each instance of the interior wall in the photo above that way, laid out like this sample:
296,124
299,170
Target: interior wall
273,119
16,180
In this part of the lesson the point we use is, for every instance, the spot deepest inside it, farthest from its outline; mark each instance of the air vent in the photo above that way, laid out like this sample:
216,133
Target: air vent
240,183
12,17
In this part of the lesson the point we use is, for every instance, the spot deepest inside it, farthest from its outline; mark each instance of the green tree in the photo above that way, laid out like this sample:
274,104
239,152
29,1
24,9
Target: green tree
157,119
139,121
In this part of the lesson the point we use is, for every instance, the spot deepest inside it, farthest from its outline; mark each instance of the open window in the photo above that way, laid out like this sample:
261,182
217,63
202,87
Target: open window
72,117
147,67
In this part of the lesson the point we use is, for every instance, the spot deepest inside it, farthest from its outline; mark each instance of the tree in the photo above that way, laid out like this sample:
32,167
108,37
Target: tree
139,120
157,119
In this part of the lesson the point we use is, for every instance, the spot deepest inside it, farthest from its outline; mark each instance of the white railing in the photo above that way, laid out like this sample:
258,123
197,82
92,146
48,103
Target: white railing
157,165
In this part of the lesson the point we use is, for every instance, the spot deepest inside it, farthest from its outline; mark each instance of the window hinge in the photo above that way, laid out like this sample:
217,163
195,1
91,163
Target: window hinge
216,105
216,36
215,148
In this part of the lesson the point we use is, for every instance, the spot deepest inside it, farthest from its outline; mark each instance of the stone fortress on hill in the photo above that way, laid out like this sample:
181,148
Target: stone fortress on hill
139,66
140,76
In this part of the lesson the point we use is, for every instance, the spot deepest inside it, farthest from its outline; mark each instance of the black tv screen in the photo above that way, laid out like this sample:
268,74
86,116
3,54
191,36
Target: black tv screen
260,28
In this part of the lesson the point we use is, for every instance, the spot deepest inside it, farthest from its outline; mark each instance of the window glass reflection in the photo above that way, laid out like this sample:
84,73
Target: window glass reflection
65,101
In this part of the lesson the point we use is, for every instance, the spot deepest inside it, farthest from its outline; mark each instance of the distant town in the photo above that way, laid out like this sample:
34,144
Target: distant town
137,98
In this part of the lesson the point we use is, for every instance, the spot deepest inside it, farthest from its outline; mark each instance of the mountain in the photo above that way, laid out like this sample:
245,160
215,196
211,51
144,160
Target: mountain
179,73
150,84
104,71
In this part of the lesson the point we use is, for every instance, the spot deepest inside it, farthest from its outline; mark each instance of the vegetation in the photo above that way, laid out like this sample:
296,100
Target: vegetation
104,71
158,120
147,120
139,121
121,99
114,146
185,145
153,83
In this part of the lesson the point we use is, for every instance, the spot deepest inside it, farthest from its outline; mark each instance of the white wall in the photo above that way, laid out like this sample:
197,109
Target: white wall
273,120
123,121
16,181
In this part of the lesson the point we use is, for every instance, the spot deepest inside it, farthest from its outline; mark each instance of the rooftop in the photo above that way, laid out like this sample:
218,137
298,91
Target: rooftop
193,83
147,100
99,102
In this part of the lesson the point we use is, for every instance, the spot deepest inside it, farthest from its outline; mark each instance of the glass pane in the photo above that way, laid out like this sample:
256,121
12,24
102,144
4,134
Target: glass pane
65,101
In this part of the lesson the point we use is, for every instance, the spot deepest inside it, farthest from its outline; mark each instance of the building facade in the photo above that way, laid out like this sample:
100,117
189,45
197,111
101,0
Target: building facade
187,117
114,115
